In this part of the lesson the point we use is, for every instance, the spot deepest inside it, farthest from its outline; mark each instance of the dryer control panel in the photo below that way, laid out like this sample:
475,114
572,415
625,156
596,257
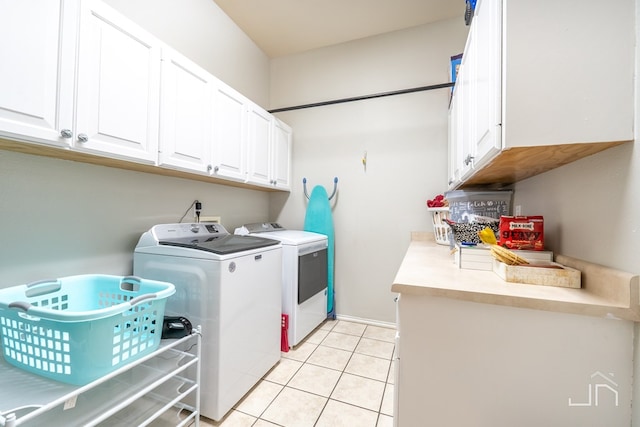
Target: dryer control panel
185,230
261,227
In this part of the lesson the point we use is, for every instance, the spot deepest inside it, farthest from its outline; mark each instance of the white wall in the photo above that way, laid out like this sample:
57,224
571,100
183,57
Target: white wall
61,218
590,207
404,136
201,31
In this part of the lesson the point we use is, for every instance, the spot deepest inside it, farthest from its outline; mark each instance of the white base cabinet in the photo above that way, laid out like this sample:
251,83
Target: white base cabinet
463,363
541,84
160,389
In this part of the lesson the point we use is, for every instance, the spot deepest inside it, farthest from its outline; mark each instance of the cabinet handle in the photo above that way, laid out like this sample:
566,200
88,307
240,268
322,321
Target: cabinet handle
83,137
468,160
209,168
66,133
216,169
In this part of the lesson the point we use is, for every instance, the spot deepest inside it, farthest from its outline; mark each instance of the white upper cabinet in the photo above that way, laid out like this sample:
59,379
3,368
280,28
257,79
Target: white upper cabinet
259,148
454,143
78,75
37,47
118,86
230,133
573,80
281,155
186,114
462,118
542,83
269,150
486,139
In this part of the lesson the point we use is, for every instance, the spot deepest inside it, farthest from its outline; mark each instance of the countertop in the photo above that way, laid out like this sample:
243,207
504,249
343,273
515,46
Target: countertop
428,269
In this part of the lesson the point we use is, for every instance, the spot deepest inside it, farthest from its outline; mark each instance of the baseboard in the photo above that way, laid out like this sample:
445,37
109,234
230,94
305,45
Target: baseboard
366,321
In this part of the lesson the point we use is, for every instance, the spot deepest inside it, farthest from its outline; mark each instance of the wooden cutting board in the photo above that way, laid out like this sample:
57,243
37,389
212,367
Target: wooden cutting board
547,274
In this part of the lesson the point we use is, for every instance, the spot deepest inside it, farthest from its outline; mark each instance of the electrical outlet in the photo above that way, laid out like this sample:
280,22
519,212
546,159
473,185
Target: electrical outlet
197,208
518,210
215,219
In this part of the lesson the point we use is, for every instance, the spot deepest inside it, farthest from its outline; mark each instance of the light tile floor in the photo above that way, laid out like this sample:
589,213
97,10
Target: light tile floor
340,375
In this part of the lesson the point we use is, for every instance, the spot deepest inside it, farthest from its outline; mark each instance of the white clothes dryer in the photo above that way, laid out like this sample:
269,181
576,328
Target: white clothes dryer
228,284
304,276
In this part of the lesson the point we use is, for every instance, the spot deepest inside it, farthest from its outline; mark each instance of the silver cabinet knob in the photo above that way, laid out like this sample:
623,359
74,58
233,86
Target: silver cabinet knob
216,169
209,168
468,160
66,133
83,137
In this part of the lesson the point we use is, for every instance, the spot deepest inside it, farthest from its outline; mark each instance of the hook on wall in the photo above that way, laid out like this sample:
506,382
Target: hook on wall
335,187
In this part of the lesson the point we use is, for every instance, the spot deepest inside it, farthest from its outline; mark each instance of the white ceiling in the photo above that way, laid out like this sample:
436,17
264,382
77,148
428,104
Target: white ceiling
284,27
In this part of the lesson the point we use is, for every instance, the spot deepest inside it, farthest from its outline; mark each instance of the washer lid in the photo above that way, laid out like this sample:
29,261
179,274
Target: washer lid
222,245
293,237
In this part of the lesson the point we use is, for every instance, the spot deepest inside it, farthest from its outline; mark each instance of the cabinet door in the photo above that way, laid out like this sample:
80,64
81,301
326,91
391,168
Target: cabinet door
487,81
118,86
259,147
465,114
186,109
37,71
229,128
281,155
454,161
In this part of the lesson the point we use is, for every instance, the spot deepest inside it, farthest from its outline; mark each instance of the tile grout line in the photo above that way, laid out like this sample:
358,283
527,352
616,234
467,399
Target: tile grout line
339,377
342,371
305,361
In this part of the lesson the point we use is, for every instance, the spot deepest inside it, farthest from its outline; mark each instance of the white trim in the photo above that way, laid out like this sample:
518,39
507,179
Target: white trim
366,321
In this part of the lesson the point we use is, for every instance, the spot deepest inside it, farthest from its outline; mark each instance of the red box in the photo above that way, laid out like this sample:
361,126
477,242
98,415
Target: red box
522,232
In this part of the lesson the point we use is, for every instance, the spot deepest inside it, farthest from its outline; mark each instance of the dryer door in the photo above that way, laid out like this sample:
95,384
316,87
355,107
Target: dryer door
312,274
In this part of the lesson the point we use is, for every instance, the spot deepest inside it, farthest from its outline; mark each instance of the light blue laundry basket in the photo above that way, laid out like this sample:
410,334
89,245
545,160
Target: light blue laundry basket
79,328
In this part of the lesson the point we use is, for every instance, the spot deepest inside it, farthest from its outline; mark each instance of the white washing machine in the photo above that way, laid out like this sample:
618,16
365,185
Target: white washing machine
304,276
228,284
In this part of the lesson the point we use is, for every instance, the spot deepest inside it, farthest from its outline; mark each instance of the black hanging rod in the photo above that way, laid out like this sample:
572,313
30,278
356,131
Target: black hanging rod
360,98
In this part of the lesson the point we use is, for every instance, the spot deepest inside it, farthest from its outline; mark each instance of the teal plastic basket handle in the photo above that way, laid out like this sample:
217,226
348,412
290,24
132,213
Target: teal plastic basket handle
43,287
25,307
138,300
130,283
21,305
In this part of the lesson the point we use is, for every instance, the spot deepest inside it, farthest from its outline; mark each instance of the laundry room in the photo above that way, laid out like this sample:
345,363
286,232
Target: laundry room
369,123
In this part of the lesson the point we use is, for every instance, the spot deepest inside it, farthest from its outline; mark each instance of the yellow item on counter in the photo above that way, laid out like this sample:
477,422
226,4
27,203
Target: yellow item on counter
487,236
